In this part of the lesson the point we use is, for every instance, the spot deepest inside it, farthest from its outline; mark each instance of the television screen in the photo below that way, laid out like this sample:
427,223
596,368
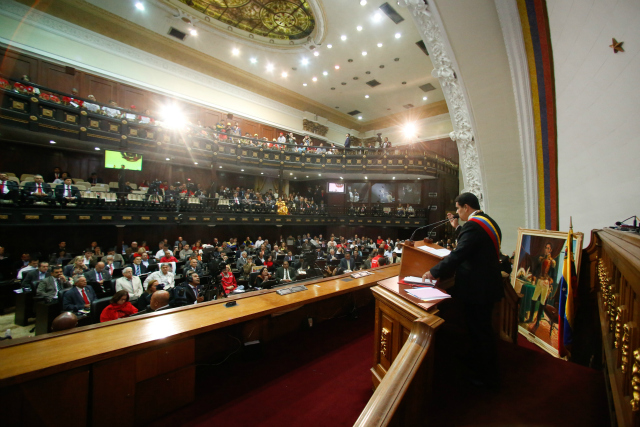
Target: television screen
358,192
409,192
336,187
383,192
117,159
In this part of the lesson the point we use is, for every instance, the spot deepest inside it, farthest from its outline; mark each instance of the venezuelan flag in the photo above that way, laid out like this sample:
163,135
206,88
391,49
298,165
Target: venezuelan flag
568,286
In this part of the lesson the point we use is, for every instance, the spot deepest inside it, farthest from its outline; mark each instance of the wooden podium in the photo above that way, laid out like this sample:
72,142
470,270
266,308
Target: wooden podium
396,310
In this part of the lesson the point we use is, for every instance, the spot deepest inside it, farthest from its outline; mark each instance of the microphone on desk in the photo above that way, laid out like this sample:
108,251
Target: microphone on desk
437,223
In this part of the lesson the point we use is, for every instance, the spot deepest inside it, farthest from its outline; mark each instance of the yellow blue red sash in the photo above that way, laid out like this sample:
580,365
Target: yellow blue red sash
490,229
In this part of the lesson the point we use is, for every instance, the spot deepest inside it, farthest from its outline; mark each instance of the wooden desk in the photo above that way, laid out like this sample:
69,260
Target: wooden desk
132,361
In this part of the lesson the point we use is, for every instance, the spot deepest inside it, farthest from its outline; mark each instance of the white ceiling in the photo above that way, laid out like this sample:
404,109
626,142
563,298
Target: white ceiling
342,18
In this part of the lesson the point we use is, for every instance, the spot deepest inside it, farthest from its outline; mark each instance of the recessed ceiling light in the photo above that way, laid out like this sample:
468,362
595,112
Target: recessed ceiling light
284,74
139,5
324,73
290,173
304,61
359,117
269,67
307,176
261,173
316,53
329,46
398,35
295,177
315,79
220,167
253,60
193,32
195,163
304,84
167,159
359,28
364,53
235,51
393,177
241,170
341,178
424,98
377,17
343,37
379,44
366,177
319,174
52,142
418,179
366,96
97,149
337,67
363,2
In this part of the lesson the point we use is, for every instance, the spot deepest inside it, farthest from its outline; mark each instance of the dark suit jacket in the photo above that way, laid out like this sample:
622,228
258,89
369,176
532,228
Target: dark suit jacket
98,181
31,278
191,296
30,187
47,287
74,192
280,273
12,185
143,268
348,265
476,265
68,270
72,300
91,275
347,143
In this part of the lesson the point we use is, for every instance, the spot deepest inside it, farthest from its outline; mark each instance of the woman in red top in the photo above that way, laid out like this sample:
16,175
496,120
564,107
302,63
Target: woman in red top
120,307
269,262
228,280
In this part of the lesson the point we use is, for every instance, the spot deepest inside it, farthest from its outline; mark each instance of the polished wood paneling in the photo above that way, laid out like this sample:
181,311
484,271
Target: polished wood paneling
131,95
163,394
113,391
58,77
104,90
14,65
164,359
267,131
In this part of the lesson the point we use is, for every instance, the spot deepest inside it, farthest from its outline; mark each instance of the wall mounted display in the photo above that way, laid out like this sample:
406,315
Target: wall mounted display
358,192
409,192
383,192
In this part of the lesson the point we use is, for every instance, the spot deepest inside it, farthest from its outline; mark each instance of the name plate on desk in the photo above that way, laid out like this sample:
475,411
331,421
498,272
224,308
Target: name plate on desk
291,290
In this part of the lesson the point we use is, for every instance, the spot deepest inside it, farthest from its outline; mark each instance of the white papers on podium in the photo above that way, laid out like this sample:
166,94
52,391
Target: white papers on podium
437,252
418,281
428,294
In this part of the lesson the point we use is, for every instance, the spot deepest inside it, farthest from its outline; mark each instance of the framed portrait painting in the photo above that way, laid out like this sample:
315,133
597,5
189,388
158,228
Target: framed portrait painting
537,270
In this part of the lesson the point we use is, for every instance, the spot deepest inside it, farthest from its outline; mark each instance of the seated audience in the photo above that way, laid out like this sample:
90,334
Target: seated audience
186,252
37,190
165,278
194,266
286,273
130,283
120,307
76,263
159,301
32,265
49,287
228,280
98,275
145,298
193,289
168,257
67,193
263,276
8,189
94,179
79,297
32,278
347,264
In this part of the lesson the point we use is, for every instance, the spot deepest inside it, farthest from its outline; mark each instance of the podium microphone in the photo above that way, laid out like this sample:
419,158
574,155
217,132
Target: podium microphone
437,223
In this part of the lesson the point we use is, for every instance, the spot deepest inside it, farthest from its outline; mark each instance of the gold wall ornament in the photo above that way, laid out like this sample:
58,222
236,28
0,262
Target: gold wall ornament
384,343
314,127
635,381
613,311
621,311
629,331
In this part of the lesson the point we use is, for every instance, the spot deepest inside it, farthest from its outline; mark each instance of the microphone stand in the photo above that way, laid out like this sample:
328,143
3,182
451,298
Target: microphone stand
437,224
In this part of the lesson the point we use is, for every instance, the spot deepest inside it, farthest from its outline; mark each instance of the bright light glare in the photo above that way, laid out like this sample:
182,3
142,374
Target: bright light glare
172,117
304,61
379,44
316,53
315,79
52,142
359,117
195,163
324,73
337,67
409,129
304,84
193,32
424,98
253,60
377,17
269,67
284,74
97,149
359,28
139,5
366,96
364,53
398,35
363,2
235,51
329,46
343,37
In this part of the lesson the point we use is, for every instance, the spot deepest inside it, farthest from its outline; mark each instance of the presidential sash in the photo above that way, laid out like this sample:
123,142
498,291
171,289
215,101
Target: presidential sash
490,229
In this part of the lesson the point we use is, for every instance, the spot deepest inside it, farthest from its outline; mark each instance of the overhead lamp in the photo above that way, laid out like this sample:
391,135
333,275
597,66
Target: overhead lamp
359,28
284,74
379,44
316,53
329,46
324,73
343,37
424,98
295,177
398,35
418,179
366,96
364,53
261,173
52,142
319,174
139,5
363,2
304,61
337,67
377,17
307,176
97,149
220,167
341,178
290,173
359,117
172,117
393,177
269,67
315,79
253,60
366,177
241,170
193,32
304,84
409,129
195,163
167,159
235,51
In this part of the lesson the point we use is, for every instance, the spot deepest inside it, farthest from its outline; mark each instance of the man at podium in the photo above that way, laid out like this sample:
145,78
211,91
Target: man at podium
478,282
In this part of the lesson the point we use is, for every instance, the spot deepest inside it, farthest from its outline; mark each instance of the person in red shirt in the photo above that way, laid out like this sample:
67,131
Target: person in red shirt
379,241
168,257
120,307
375,262
228,280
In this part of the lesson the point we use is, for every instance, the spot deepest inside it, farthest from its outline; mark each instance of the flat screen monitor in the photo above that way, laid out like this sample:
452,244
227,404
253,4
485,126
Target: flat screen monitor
336,187
117,159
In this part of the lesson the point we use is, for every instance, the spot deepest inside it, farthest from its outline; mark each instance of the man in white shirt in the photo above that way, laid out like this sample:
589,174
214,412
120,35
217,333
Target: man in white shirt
33,265
160,252
164,277
129,283
87,258
259,242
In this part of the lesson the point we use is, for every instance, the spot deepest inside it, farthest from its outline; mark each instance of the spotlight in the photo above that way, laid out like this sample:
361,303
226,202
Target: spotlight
167,159
195,163
290,173
366,177
364,53
261,173
316,53
241,170
329,46
284,74
253,60
359,28
97,149
139,5
343,37
172,117
359,117
341,178
393,177
193,32
379,44
337,67
220,167
304,84
235,51
377,17
409,129
424,98
315,79
363,2
398,35
52,142
366,96
269,67
304,61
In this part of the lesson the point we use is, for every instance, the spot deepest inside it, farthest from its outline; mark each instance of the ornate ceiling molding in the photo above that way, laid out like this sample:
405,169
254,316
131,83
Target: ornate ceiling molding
512,32
430,27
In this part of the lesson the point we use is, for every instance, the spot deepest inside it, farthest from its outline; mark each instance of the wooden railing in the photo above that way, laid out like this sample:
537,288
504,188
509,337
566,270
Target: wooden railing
614,266
399,399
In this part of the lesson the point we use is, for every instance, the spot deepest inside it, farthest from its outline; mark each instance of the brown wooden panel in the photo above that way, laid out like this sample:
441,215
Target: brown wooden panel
55,77
114,386
210,118
14,65
251,127
56,400
164,394
267,131
165,359
104,90
130,95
